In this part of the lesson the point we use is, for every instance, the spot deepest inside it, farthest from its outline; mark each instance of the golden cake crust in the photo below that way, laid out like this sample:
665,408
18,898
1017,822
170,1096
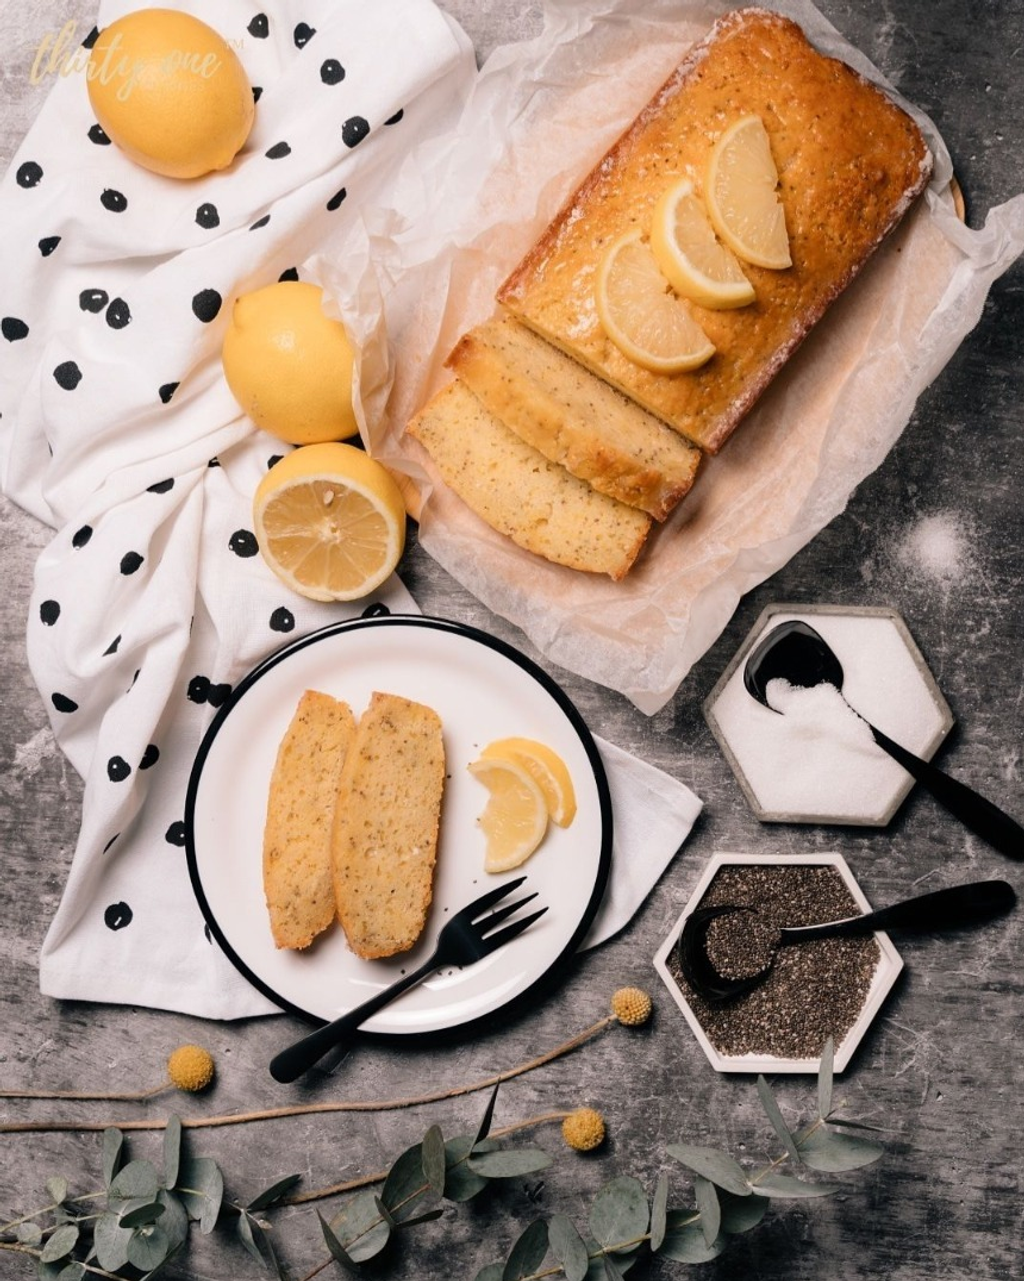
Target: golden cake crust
850,163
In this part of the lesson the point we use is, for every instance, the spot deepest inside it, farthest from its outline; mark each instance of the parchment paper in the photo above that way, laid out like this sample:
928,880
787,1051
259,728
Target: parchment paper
540,114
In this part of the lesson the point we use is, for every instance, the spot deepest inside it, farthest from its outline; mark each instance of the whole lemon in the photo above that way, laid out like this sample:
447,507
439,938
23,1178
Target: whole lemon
289,365
170,92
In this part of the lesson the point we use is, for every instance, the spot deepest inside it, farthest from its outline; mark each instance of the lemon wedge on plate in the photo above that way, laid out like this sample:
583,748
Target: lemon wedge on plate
742,198
546,768
638,311
330,521
515,817
690,255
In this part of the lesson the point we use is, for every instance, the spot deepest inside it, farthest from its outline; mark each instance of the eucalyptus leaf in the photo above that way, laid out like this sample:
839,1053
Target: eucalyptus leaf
741,1213
484,1127
404,1186
148,1248
359,1227
719,1167
113,1147
428,1216
201,1188
460,1182
528,1252
568,1247
244,1232
29,1233
786,1185
847,1124
60,1243
338,1252
383,1211
708,1208
174,1222
58,1189
825,1070
774,1115
490,1272
433,1158
684,1241
619,1213
172,1151
257,1242
659,1212
142,1215
825,1150
73,1271
269,1196
110,1241
137,1179
508,1163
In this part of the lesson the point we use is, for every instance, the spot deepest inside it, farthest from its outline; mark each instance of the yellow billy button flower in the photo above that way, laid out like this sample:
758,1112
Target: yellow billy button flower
583,1129
632,1006
190,1068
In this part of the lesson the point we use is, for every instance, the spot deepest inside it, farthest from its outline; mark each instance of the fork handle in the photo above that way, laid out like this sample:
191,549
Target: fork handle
291,1062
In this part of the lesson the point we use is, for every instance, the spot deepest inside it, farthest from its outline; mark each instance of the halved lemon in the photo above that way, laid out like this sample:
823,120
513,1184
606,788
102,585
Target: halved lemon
545,767
690,255
330,521
741,194
515,817
648,323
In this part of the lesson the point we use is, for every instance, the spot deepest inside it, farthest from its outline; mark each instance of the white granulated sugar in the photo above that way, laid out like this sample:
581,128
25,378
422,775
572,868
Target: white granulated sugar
938,546
809,757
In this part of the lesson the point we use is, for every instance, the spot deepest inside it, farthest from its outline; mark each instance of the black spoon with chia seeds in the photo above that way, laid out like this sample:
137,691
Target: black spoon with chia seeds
795,652
959,905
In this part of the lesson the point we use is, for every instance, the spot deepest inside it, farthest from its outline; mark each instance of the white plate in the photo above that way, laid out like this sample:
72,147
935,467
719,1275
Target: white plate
482,689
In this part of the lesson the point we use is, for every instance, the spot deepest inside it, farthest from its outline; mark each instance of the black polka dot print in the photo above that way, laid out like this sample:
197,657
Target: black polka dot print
117,916
131,562
118,769
49,612
29,174
202,690
336,200
243,543
354,130
282,620
167,391
93,300
175,834
259,28
161,486
48,244
150,757
67,375
257,93
292,273
332,72
81,536
112,648
13,329
115,201
278,151
260,222
273,460
206,304
302,34
97,136
207,216
393,120
63,704
91,38
377,610
118,314
110,844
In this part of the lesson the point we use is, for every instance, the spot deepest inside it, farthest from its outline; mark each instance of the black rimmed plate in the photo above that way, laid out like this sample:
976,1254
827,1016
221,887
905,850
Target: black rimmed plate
482,689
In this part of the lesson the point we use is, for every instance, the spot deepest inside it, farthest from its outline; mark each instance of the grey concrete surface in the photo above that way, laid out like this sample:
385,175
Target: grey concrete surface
939,1071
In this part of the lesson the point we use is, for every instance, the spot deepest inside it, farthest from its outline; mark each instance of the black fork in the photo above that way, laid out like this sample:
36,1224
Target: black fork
464,940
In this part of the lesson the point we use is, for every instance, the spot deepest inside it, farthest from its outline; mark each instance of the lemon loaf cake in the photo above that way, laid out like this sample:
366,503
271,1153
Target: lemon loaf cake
575,418
298,878
850,163
386,825
520,493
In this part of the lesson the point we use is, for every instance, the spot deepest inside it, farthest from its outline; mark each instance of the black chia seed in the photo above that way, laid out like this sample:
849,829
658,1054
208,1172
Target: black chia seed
814,990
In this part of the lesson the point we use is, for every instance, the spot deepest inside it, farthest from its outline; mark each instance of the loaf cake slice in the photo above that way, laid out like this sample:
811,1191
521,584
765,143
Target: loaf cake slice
850,163
518,492
386,825
298,878
574,418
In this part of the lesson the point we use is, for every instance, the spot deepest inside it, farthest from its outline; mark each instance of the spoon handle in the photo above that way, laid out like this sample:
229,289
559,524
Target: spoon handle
973,810
940,910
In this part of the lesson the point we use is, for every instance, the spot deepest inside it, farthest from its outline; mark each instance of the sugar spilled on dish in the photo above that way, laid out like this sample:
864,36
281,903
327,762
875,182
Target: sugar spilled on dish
809,756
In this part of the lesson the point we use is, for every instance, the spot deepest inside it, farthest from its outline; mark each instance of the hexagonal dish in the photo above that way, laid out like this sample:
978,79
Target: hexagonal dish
795,770
885,975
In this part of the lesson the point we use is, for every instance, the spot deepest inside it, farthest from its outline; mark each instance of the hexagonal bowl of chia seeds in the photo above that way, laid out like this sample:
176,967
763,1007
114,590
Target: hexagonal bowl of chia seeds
814,989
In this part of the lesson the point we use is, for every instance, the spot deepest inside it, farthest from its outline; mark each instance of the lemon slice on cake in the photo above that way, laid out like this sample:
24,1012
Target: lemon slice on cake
641,315
742,198
690,255
330,521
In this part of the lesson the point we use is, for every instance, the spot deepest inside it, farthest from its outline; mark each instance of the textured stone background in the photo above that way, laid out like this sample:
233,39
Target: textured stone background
940,1069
